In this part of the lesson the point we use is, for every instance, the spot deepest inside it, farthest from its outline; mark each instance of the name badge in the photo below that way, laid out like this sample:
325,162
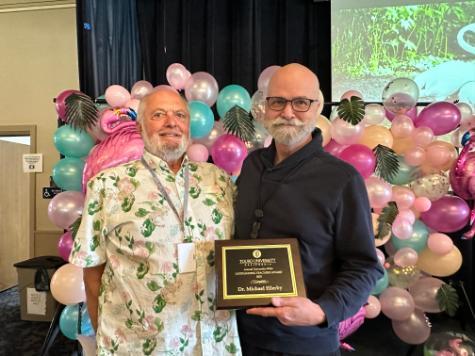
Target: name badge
186,258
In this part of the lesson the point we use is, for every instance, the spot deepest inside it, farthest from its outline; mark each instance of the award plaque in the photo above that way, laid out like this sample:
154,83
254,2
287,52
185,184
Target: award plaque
251,272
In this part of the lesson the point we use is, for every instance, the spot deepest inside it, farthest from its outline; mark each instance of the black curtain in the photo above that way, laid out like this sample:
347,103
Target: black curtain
234,40
108,45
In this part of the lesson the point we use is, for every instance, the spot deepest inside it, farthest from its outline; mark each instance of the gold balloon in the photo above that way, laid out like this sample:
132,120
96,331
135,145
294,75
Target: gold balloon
439,265
325,126
376,135
445,155
432,186
401,145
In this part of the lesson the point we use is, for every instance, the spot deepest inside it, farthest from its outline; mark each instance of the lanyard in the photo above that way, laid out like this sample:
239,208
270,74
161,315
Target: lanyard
259,211
161,188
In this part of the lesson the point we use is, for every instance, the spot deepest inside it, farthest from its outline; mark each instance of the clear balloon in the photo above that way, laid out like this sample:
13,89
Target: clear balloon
67,173
412,113
442,117
265,76
432,186
67,285
345,133
230,96
258,105
197,152
448,214
414,330
374,114
405,256
361,158
440,265
228,152
402,276
400,95
376,135
177,75
201,119
424,293
65,208
407,214
259,139
203,87
116,96
72,142
439,243
379,192
65,244
372,307
140,89
396,303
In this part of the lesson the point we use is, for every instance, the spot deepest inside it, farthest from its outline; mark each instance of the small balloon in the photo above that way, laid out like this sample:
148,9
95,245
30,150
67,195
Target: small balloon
116,96
67,285
374,114
396,303
202,86
65,208
361,158
140,89
345,133
402,126
379,192
230,96
405,256
177,75
372,307
201,119
264,77
258,105
439,243
334,148
67,173
228,152
414,330
424,293
72,142
197,152
349,93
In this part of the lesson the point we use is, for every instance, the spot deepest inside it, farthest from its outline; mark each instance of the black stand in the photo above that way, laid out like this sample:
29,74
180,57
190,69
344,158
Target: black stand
52,331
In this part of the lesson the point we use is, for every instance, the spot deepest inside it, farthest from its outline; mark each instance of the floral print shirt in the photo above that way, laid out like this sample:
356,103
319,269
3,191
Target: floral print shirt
146,306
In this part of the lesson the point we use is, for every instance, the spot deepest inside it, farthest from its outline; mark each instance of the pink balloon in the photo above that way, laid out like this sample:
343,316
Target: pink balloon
67,285
422,204
439,154
380,255
361,157
406,256
424,293
379,192
60,103
65,208
228,152
414,330
442,117
349,93
412,113
203,87
396,303
116,96
422,136
402,228
65,244
448,214
177,75
334,148
407,214
440,244
462,173
415,156
404,197
197,152
373,307
265,76
402,126
140,89
133,104
345,133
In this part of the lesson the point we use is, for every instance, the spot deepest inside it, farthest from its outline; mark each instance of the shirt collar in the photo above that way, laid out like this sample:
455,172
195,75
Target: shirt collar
159,165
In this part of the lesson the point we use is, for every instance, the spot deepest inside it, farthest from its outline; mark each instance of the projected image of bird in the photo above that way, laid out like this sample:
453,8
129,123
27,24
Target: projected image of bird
447,78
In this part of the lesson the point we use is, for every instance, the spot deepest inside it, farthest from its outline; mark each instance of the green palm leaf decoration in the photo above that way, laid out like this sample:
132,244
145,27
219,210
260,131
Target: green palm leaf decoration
386,219
239,122
75,227
448,299
351,110
81,113
387,163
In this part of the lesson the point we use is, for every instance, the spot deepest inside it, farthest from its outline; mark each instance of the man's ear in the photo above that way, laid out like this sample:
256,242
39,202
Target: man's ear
321,101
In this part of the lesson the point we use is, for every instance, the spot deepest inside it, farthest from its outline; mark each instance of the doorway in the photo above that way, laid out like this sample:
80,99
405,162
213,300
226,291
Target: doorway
17,200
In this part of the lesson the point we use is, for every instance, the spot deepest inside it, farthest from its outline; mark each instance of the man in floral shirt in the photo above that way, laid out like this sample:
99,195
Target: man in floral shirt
146,243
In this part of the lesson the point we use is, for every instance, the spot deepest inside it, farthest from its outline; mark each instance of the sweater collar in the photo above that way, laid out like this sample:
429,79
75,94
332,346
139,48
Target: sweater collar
268,154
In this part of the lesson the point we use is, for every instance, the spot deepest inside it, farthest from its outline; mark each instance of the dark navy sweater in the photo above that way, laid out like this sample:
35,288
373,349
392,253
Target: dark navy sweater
322,201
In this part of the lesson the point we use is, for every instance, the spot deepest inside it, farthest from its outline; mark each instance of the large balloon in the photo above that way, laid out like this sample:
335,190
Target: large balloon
442,117
65,208
230,96
69,321
414,330
448,214
203,87
201,119
440,265
424,293
177,75
462,173
400,95
396,303
140,89
116,96
67,173
67,285
228,152
379,192
72,142
374,135
265,76
361,157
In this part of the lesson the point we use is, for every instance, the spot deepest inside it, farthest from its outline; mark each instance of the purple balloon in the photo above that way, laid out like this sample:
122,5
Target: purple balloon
412,113
462,173
448,214
396,303
424,292
442,117
228,153
65,208
361,157
65,244
414,330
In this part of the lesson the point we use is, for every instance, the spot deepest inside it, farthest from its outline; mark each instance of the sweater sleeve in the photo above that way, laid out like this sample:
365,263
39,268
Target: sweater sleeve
355,253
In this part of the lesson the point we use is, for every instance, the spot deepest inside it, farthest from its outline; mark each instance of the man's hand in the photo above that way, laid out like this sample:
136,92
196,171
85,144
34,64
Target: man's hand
292,311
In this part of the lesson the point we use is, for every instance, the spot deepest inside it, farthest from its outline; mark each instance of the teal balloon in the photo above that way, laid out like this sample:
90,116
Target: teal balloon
405,173
67,173
230,96
201,119
68,322
418,239
72,142
381,284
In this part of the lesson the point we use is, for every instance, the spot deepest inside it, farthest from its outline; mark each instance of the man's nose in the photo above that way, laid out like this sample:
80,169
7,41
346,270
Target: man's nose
170,119
288,112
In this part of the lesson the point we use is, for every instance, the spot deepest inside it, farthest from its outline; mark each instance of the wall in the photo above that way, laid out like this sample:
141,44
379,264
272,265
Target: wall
38,60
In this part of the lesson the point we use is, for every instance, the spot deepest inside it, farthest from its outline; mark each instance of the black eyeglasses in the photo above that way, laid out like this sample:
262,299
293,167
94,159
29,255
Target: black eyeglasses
298,104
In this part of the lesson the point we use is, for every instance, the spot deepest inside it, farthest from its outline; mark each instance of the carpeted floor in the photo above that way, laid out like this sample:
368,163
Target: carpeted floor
375,337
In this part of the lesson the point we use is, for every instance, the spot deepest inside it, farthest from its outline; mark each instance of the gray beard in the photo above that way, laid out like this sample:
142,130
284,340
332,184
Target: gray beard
166,152
289,136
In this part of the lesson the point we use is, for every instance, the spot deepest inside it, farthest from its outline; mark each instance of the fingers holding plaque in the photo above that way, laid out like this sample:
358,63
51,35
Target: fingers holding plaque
251,272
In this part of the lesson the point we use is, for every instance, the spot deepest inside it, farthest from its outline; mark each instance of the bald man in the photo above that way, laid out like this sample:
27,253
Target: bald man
146,243
308,194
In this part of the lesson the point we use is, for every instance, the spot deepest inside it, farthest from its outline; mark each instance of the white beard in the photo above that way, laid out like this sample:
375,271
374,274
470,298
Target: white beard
289,135
166,151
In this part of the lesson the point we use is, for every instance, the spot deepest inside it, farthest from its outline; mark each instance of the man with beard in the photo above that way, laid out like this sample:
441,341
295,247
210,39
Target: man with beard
295,189
146,242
